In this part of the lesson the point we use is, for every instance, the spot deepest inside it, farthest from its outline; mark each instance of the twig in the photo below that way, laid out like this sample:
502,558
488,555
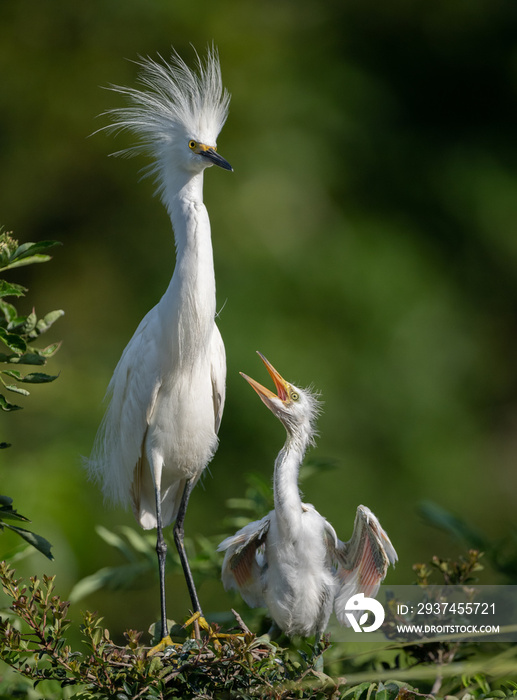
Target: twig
244,627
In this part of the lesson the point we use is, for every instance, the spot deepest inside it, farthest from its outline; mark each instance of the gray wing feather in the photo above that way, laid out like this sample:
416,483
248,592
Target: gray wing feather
243,563
362,561
132,396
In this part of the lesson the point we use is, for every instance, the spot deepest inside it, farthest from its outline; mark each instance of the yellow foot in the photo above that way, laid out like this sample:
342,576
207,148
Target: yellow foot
200,622
162,645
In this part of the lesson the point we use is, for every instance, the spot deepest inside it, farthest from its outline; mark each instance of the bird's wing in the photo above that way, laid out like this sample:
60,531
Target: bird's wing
362,561
331,540
133,390
243,563
218,376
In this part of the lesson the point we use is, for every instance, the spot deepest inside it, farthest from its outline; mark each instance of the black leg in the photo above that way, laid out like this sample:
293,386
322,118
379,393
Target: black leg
178,539
161,551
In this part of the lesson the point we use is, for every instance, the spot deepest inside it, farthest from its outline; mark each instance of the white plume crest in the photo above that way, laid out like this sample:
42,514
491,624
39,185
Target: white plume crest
176,101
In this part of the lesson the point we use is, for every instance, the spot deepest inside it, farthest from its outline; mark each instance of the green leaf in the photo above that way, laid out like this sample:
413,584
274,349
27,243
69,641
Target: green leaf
13,373
27,261
16,323
382,693
27,254
39,378
44,323
29,323
29,249
5,405
443,519
13,341
16,389
138,541
32,378
28,358
50,350
357,690
9,311
9,513
116,541
110,577
40,543
11,289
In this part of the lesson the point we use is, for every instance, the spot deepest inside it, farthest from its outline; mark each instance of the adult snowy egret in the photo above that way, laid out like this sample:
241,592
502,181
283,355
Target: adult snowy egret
168,389
291,561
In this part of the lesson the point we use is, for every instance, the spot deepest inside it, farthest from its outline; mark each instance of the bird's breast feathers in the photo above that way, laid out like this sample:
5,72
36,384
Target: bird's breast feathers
182,425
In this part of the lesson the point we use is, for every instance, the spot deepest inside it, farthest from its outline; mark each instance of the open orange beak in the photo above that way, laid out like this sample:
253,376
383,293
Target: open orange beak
266,394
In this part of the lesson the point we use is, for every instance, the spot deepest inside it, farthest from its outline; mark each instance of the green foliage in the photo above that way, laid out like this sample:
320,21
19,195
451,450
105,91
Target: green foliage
7,512
243,665
391,690
453,573
450,573
449,657
18,331
437,664
501,553
32,640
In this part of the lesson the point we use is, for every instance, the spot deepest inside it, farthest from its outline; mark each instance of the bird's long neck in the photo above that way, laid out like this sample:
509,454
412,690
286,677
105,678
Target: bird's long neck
189,302
288,502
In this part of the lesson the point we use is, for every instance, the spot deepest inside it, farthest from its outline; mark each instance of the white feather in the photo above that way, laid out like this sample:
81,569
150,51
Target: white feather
291,561
167,392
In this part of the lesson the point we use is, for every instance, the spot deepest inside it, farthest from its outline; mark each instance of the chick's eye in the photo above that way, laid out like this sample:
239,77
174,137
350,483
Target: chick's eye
192,144
294,396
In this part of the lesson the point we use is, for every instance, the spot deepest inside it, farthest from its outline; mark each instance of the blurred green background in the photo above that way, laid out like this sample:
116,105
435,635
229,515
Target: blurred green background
366,244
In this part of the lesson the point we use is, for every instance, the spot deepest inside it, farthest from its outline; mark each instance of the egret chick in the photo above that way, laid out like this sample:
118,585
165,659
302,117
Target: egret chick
291,561
168,389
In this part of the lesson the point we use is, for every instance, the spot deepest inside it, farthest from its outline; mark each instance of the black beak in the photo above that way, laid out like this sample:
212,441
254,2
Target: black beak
216,159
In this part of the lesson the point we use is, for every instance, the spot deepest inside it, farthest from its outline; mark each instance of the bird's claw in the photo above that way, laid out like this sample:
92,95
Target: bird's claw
162,645
200,622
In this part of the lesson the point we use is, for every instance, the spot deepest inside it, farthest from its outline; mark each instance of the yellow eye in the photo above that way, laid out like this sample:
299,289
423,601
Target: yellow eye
294,396
192,144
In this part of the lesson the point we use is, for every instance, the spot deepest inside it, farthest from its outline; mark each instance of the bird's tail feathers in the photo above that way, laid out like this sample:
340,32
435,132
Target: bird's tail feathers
111,462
